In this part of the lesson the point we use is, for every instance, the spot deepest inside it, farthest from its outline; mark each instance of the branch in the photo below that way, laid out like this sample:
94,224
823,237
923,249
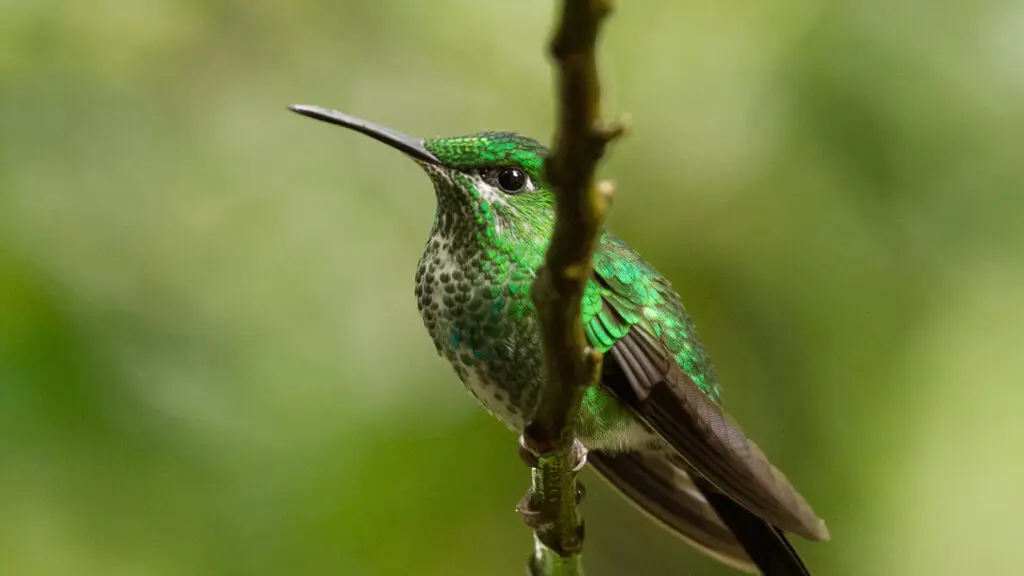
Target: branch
549,441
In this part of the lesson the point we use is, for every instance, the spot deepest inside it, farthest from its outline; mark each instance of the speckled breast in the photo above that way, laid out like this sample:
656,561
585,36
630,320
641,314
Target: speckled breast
485,329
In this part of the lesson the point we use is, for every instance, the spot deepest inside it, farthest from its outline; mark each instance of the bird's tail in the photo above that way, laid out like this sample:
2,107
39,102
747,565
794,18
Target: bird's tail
764,543
661,486
664,490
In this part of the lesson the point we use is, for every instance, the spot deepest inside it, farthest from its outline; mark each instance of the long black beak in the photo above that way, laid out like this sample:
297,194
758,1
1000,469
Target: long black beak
411,146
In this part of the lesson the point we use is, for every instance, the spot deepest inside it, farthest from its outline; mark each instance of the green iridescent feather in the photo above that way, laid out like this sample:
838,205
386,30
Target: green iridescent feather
489,149
628,293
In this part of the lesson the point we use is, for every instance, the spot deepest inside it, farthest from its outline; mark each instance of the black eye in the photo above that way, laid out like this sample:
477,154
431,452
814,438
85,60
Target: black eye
511,179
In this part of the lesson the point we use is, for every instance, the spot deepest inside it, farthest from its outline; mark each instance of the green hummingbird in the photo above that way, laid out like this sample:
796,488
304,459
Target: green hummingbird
654,427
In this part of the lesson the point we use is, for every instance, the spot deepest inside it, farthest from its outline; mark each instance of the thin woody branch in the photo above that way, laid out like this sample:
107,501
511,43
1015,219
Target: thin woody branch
580,206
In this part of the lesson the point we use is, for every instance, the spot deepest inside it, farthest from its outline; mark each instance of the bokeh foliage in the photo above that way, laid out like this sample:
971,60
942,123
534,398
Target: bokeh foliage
210,357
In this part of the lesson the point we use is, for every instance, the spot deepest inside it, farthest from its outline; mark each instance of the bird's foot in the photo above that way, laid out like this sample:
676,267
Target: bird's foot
530,508
577,456
529,455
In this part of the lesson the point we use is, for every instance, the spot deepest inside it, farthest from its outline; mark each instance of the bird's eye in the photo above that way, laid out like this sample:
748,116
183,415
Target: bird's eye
511,179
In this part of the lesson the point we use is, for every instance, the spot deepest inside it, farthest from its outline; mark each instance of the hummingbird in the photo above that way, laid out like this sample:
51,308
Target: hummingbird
654,426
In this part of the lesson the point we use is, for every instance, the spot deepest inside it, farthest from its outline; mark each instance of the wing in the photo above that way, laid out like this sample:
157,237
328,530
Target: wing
661,487
633,314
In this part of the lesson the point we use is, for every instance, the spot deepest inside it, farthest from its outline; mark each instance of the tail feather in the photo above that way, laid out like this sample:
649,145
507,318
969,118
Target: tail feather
764,543
665,491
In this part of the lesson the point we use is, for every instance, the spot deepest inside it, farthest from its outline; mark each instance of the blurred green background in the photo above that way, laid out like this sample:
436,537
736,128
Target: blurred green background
210,357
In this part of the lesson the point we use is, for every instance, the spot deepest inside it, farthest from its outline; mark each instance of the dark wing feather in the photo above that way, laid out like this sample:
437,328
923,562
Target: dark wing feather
656,365
663,489
663,395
